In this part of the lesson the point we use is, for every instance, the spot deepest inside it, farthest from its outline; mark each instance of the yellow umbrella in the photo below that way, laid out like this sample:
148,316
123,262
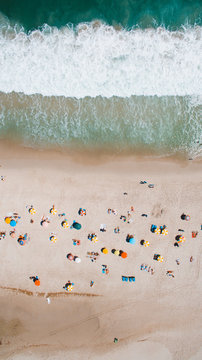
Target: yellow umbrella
164,232
53,211
160,259
157,231
105,251
70,288
146,243
65,224
7,220
32,211
117,252
53,238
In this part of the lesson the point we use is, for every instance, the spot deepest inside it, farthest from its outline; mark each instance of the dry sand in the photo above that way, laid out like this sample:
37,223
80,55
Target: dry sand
156,317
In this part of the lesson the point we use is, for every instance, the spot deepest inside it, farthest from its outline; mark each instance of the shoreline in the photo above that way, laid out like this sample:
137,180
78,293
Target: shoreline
155,315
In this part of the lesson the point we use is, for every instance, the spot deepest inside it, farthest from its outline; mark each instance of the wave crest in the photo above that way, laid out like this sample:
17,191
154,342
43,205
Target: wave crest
95,59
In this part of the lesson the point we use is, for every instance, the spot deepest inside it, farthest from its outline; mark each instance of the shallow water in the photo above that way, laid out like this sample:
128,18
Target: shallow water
125,77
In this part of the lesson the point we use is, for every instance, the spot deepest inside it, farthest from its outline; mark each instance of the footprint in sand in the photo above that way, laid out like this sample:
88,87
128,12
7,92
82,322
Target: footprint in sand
157,211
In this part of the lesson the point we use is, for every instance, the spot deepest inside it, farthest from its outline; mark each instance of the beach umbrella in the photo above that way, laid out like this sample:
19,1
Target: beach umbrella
21,241
132,240
70,257
164,232
44,223
160,259
37,282
32,211
124,254
117,252
157,231
13,223
70,287
146,243
104,251
53,238
181,239
76,225
7,220
53,211
65,224
77,259
94,239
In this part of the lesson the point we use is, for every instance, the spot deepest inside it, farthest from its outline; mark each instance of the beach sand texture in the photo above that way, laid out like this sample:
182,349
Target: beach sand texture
155,317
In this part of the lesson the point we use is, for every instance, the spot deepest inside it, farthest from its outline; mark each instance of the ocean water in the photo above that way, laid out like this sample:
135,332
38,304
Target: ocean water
114,75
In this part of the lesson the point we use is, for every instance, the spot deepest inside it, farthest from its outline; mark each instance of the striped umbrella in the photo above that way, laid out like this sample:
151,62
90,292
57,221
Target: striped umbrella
164,232
53,239
32,211
146,243
53,211
160,259
94,239
70,288
182,239
157,231
65,224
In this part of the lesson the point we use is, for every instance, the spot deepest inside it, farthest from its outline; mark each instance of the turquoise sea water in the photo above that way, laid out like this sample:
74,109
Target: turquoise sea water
128,13
113,75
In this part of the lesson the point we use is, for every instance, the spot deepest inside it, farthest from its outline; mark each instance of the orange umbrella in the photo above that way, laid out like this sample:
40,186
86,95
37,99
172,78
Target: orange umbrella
104,251
37,282
124,255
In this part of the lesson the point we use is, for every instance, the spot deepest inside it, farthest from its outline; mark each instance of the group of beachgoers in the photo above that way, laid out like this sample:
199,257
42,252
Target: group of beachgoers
22,239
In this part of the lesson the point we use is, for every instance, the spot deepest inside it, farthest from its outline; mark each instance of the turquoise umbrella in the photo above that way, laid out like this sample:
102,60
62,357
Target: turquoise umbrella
76,225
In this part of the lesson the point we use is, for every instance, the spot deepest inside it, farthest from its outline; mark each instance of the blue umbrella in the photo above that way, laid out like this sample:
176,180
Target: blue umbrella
13,223
132,241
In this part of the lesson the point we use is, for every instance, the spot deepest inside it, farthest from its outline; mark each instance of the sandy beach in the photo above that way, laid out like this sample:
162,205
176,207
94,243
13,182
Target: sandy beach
157,316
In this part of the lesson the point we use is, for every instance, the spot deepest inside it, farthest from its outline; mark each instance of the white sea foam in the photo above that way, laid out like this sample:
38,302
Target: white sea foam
99,60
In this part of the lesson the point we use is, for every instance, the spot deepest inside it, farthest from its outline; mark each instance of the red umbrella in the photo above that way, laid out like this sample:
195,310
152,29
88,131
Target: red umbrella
37,282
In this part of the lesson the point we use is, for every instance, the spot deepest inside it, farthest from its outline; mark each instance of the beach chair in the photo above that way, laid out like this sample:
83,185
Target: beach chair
124,278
